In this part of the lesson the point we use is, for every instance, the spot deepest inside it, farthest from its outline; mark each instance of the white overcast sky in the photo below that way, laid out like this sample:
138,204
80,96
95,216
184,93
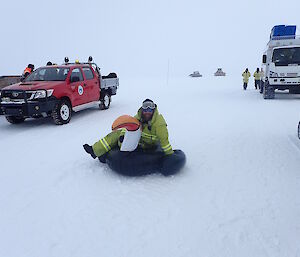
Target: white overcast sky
136,38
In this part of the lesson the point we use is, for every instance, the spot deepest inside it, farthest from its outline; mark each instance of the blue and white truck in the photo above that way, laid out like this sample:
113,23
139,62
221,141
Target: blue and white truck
281,62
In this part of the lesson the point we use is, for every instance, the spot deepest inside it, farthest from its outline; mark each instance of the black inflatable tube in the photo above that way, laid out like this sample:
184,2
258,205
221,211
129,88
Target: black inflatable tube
139,163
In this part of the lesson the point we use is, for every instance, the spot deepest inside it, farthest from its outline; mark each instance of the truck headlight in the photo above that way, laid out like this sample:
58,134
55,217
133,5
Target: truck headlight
0,93
43,94
273,74
40,94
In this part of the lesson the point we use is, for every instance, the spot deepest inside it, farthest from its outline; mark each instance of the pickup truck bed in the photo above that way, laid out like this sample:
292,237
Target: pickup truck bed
110,82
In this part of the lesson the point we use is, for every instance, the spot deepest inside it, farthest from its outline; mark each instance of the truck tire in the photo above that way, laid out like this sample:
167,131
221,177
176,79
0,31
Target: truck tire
14,119
294,91
105,101
62,112
268,92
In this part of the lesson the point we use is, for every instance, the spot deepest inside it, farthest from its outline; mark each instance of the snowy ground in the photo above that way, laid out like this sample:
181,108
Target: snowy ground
237,196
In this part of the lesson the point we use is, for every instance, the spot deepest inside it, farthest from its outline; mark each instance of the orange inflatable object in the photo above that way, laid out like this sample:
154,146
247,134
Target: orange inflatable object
126,121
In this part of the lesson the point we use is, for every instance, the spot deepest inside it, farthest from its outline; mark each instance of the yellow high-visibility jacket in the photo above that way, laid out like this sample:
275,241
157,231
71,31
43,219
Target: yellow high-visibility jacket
262,74
256,75
246,76
154,132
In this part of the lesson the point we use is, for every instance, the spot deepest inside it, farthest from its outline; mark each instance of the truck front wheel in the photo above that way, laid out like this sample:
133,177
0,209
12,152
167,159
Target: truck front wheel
14,119
268,91
62,112
105,101
294,91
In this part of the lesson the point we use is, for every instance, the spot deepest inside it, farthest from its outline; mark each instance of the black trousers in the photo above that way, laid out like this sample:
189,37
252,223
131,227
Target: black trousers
245,85
257,84
261,86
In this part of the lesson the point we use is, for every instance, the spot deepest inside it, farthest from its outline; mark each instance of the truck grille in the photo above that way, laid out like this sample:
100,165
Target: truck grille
294,74
15,95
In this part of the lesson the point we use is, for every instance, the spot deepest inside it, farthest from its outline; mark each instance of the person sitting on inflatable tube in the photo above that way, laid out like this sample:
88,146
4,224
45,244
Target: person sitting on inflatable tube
143,142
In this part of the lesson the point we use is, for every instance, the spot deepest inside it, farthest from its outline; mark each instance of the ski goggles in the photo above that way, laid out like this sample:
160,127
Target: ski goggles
148,110
148,106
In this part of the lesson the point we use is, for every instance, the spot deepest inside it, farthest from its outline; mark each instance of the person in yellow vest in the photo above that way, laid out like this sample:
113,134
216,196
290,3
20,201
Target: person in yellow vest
153,133
154,128
246,75
256,76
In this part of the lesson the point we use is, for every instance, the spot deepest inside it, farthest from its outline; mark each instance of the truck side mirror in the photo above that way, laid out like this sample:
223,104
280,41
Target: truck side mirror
74,79
264,59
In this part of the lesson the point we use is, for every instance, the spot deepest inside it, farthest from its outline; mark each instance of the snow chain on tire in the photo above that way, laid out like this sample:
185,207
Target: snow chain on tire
62,113
268,92
105,101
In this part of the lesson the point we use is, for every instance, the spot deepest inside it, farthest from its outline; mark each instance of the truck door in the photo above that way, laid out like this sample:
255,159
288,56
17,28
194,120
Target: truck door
91,84
80,95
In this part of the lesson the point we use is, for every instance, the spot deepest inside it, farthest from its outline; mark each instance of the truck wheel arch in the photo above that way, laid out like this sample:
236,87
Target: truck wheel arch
67,99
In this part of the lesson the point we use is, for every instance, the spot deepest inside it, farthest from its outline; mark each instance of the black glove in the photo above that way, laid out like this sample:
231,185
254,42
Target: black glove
89,150
121,139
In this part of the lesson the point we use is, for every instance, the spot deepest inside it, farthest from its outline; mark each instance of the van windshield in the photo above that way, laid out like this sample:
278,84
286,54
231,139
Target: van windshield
286,56
48,74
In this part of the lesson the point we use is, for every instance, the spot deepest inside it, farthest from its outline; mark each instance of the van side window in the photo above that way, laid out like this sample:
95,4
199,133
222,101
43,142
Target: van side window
88,73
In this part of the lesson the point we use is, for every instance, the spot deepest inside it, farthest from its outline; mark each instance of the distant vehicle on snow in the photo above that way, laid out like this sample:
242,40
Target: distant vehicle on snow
195,74
219,73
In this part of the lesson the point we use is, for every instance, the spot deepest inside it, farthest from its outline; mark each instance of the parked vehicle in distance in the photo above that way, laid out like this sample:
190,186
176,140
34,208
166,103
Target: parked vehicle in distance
195,74
56,91
281,62
219,73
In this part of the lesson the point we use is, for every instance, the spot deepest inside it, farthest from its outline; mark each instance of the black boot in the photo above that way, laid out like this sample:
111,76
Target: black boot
102,158
89,150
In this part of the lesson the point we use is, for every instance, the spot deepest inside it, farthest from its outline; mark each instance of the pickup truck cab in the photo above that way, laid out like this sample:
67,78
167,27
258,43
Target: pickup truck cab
56,91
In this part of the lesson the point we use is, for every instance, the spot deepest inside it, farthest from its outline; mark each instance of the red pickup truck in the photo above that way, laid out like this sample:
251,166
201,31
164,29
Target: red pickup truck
56,91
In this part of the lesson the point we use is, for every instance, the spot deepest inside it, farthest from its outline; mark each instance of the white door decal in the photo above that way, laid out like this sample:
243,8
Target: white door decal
80,90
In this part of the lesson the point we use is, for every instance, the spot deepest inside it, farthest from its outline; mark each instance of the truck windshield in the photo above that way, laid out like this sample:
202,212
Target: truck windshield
286,56
48,74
